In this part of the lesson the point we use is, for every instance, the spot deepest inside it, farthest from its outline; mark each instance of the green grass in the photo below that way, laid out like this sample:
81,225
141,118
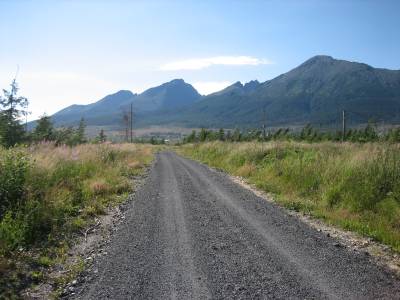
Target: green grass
351,185
49,194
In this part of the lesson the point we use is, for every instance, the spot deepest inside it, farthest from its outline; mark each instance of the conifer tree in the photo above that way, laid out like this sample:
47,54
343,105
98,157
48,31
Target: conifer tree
44,130
12,109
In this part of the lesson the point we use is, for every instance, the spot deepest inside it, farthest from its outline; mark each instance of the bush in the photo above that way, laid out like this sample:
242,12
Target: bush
48,194
14,167
12,233
56,190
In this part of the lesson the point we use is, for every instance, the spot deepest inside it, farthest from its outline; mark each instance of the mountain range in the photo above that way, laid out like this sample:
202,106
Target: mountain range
175,94
315,92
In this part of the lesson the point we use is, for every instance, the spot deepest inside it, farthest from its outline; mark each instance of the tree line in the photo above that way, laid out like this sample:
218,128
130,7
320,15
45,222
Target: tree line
13,110
70,136
308,133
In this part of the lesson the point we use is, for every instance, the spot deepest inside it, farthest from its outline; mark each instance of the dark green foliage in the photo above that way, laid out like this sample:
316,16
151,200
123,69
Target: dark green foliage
203,135
211,135
44,130
221,134
65,136
152,140
12,109
101,138
393,135
307,134
237,135
31,215
280,134
14,166
80,133
228,135
156,141
12,132
191,138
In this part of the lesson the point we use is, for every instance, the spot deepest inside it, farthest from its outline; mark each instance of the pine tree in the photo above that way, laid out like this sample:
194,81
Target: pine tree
237,136
228,136
80,133
191,138
102,137
203,135
370,134
221,134
13,108
44,130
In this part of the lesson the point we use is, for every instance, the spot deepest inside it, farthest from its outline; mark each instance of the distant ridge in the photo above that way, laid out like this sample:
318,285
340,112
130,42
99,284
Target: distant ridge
314,92
108,111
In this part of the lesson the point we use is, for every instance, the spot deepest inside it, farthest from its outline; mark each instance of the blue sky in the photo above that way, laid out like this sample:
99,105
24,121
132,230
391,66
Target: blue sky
79,51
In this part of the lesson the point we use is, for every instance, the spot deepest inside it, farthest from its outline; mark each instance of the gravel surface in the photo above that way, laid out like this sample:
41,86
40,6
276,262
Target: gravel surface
192,233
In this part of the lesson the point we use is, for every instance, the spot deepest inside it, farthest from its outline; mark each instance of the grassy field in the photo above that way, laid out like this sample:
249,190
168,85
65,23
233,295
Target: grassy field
49,194
354,186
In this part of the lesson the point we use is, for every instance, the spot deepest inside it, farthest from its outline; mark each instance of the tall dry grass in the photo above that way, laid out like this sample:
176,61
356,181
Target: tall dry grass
356,186
49,193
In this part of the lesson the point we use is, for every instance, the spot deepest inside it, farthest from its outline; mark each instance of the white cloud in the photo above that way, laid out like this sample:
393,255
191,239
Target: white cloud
201,63
208,87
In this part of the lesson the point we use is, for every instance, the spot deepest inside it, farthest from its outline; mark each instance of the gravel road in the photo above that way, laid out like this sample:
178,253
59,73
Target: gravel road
191,233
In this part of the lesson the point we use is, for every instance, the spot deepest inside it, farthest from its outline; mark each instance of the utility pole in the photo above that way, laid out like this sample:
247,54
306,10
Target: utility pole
131,122
343,125
263,129
263,126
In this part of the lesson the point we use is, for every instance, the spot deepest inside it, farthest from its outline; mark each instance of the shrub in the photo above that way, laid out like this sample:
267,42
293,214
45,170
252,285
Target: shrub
54,191
12,233
14,166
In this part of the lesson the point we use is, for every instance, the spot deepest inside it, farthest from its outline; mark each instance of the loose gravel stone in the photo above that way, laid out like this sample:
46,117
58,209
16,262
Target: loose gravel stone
192,233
